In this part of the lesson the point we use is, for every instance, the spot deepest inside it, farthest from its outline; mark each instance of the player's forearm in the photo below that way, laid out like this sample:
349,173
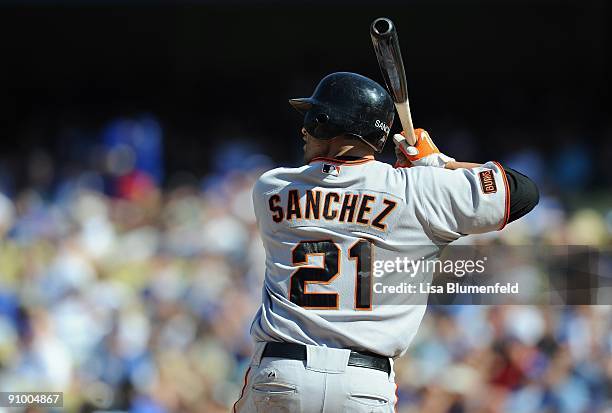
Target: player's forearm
461,165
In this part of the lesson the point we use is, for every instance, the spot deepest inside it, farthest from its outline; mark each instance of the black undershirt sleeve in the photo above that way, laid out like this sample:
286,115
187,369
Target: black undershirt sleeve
524,194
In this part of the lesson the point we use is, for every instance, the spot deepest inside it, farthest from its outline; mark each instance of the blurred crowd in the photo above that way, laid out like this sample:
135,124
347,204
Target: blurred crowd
131,295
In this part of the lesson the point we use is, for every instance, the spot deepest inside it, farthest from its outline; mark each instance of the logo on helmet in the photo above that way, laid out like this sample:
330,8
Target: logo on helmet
382,126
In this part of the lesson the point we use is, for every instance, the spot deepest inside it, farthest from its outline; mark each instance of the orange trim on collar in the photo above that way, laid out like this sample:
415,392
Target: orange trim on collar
365,159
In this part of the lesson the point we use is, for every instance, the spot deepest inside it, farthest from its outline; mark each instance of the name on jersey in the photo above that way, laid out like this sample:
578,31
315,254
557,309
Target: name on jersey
332,206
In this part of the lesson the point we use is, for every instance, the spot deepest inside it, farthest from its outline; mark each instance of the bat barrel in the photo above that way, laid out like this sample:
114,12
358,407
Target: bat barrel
387,49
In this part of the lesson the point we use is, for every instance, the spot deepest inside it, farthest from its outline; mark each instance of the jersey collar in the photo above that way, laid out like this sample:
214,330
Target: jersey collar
344,160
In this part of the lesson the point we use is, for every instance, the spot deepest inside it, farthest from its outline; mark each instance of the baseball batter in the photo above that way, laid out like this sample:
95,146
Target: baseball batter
321,344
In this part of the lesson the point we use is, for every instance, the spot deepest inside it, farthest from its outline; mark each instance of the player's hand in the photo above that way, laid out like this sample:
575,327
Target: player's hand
401,159
423,153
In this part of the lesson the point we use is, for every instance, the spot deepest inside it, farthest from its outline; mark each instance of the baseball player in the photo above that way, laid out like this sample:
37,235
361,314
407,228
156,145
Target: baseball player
321,345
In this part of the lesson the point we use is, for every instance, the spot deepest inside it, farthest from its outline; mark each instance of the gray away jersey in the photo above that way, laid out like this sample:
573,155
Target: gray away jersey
323,224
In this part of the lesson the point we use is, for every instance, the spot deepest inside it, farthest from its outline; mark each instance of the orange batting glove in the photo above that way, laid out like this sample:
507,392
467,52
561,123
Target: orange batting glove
423,153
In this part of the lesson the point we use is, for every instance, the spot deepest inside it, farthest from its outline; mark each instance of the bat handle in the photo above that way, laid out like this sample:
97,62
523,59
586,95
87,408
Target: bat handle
403,110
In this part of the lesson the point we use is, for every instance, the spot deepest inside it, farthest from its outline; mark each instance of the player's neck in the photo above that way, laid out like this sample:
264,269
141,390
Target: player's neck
336,151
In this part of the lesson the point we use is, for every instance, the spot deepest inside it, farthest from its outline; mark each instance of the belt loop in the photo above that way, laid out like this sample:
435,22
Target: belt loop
326,359
260,346
391,369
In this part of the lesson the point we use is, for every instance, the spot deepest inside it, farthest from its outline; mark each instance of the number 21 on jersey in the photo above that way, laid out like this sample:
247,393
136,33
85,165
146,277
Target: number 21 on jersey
330,252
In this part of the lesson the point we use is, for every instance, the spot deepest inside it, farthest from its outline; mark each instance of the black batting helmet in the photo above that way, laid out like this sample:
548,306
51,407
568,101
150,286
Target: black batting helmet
346,103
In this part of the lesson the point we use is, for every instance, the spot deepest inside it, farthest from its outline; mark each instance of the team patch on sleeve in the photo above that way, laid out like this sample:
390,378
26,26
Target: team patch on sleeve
487,182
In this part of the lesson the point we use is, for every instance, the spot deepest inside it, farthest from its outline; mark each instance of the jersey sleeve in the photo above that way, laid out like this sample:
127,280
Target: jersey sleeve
453,203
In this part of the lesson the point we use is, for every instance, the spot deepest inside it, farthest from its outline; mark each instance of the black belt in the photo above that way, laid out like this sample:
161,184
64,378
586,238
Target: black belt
293,351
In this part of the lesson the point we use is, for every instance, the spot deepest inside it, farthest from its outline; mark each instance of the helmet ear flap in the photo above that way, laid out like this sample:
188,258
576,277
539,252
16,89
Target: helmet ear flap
318,123
322,118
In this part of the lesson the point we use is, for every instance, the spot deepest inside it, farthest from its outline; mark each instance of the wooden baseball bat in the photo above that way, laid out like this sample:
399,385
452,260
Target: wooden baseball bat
387,49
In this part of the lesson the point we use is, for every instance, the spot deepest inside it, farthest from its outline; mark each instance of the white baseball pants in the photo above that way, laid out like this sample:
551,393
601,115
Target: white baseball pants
324,383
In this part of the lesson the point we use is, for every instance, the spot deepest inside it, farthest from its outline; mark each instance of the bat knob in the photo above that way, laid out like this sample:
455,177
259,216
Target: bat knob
382,26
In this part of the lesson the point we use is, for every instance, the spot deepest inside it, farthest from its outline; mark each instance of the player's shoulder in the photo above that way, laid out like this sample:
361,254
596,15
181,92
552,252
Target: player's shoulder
425,173
416,178
412,174
276,178
281,174
428,172
450,180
